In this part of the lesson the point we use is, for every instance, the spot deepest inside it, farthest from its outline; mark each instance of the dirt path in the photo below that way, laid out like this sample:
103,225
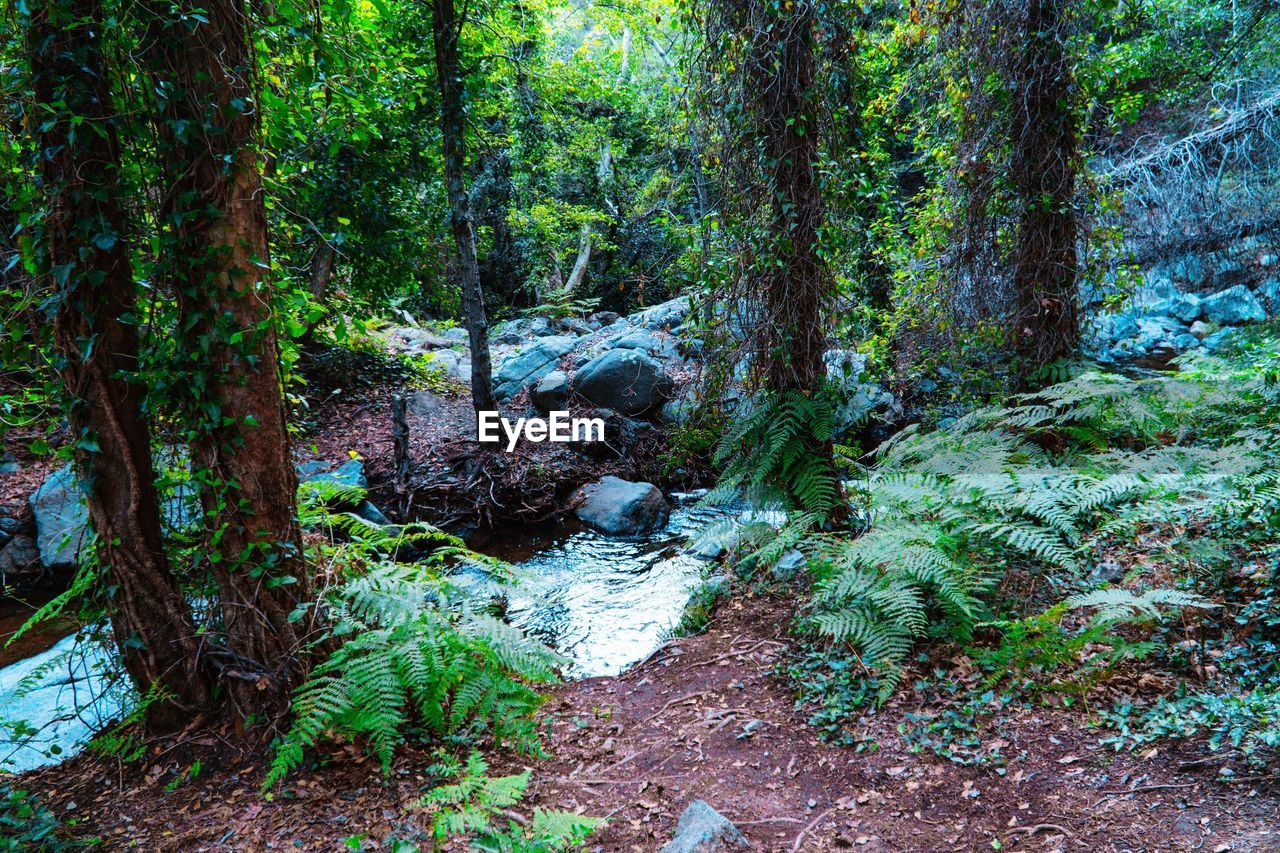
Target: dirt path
704,718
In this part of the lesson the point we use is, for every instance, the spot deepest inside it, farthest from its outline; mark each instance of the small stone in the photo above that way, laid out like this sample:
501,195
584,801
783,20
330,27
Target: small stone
702,829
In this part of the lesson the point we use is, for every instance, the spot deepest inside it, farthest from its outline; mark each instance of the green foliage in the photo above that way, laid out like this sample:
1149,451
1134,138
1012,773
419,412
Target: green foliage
470,805
1032,488
1249,721
1045,654
772,456
412,657
28,824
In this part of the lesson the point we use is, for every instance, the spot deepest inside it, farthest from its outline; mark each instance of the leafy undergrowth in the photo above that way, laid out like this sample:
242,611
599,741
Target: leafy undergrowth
1108,543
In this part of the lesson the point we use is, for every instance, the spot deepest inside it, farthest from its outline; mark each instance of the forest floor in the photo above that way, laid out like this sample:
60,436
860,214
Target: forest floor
706,717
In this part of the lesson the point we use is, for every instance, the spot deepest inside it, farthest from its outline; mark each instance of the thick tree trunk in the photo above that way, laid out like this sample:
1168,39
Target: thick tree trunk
1043,168
86,255
446,28
218,263
797,288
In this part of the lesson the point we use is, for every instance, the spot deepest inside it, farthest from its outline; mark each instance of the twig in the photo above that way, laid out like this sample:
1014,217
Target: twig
817,820
1032,830
679,701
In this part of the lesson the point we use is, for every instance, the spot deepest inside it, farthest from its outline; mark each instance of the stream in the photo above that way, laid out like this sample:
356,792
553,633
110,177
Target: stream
603,602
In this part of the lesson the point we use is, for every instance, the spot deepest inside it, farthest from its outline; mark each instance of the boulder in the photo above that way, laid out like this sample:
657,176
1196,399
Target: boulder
370,513
702,829
604,318
18,557
509,339
551,391
9,528
1269,295
457,333
529,365
1186,307
664,316
621,508
1233,306
61,518
626,380
855,399
426,404
1228,274
1200,329
349,473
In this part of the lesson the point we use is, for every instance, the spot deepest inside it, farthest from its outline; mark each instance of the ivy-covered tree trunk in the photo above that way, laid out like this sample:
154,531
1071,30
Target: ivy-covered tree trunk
797,284
217,263
85,254
446,29
1045,155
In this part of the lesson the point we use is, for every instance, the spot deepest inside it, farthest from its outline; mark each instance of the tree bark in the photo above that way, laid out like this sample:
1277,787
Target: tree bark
781,72
446,29
1043,167
218,258
86,255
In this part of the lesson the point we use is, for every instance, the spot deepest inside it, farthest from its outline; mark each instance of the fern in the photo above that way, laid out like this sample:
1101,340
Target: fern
417,654
469,806
773,455
1036,485
1117,605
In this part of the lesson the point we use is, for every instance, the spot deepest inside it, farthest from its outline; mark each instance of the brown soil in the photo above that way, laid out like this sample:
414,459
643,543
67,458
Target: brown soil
705,718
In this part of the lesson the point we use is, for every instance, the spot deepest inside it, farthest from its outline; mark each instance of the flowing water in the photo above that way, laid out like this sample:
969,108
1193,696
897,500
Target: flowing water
604,602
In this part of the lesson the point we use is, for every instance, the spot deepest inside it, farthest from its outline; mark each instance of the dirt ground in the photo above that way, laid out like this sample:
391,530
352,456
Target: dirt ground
705,717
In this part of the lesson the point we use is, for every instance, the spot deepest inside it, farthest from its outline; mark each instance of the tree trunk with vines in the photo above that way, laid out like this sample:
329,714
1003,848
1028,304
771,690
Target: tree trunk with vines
213,198
86,255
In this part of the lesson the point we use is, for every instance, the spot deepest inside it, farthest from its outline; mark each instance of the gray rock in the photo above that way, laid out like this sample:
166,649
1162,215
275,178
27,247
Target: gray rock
457,333
1269,295
9,528
1200,328
371,514
9,468
702,829
20,556
508,338
1216,340
621,508
1183,306
604,318
541,327
1233,306
61,518
1229,274
1189,269
528,366
788,565
551,391
663,316
349,473
426,404
1185,341
628,381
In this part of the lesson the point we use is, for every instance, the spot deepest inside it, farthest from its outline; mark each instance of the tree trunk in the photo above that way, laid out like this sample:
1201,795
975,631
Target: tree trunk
797,287
86,255
446,28
218,259
1043,167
